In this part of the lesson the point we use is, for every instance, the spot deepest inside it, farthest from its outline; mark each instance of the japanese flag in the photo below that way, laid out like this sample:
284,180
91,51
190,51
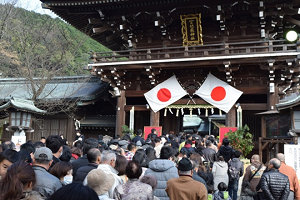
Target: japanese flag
218,93
165,94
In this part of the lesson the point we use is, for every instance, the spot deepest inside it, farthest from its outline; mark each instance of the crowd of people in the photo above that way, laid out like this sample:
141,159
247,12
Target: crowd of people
172,166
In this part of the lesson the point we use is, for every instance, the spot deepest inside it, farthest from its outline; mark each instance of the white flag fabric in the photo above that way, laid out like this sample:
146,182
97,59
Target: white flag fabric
218,93
165,94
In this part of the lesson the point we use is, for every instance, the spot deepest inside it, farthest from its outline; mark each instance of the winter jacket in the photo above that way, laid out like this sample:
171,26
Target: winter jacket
275,185
188,149
247,194
138,138
80,162
32,195
239,165
208,177
162,170
185,188
55,160
110,170
209,155
291,173
82,172
250,170
174,143
227,152
46,183
147,146
196,177
219,171
222,195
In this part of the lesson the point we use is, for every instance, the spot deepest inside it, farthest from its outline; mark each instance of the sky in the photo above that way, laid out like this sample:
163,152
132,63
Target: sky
34,5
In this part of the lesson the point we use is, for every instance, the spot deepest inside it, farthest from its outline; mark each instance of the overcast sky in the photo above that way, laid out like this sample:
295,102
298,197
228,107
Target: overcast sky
34,5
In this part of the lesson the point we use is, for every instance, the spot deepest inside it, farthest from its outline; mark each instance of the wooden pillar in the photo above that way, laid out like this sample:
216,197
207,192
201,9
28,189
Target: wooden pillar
120,113
231,117
260,148
273,99
154,118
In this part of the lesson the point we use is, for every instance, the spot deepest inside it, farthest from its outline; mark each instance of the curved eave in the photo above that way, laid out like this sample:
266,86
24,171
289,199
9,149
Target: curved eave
291,103
8,105
22,105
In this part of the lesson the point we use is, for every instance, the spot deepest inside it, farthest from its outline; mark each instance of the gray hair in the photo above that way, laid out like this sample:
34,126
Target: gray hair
275,162
281,157
107,156
185,172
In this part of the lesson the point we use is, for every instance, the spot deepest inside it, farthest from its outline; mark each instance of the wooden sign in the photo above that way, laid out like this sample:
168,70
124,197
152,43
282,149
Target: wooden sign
147,130
191,29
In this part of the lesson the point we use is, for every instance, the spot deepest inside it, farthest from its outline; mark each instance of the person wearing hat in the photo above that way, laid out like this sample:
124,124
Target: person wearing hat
185,187
100,182
148,143
46,183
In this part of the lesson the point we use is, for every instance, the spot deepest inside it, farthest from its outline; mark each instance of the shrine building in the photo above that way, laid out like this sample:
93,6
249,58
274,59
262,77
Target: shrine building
242,43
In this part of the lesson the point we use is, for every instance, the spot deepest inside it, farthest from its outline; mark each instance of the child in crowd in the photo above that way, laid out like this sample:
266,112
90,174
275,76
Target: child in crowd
222,193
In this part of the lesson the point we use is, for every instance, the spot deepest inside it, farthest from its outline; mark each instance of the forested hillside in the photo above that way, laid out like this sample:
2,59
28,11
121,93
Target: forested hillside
35,45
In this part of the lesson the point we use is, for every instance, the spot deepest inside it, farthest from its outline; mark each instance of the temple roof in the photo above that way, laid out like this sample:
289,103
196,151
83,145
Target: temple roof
157,22
288,104
22,105
83,88
243,41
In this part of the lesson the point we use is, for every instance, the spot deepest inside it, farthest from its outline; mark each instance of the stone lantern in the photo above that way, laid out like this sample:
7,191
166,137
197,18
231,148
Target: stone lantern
20,115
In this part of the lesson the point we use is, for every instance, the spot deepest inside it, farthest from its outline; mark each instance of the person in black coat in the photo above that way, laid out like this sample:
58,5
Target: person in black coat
225,150
94,158
138,137
274,184
83,161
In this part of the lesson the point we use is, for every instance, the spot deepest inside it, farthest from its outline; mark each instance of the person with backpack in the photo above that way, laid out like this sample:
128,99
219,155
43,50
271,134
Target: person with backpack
235,171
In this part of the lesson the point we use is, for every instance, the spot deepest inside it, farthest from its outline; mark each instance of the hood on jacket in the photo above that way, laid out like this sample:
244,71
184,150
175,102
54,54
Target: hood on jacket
161,165
235,160
225,150
221,164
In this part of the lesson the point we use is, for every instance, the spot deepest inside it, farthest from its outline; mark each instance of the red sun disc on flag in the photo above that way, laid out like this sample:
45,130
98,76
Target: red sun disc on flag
218,93
164,95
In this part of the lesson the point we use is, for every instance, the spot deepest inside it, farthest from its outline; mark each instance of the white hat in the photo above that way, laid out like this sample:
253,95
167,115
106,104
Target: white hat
100,181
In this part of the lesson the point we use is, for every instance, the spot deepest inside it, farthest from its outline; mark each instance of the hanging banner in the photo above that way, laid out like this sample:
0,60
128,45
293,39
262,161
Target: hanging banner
223,131
191,29
147,130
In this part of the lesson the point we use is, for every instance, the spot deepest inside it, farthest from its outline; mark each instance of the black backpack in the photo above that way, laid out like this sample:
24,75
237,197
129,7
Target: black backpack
233,172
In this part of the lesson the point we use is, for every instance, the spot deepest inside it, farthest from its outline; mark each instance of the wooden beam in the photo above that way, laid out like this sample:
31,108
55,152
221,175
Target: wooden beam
101,29
245,90
95,21
254,106
127,108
